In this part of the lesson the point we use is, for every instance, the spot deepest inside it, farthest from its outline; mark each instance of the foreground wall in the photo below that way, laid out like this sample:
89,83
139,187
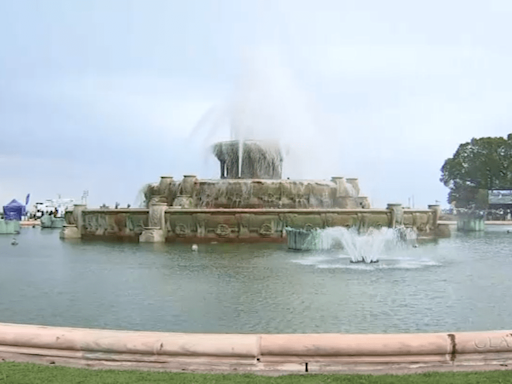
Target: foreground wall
161,223
254,352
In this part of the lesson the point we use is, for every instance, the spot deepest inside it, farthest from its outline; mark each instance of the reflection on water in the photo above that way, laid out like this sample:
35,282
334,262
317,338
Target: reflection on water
461,283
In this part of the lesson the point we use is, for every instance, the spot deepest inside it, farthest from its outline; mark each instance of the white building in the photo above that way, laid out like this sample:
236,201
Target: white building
50,205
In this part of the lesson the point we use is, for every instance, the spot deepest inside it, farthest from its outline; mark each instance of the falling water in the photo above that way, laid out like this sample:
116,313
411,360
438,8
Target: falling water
140,198
240,156
363,246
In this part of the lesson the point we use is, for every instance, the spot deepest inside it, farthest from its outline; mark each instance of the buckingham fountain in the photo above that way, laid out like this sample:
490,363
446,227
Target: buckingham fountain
249,202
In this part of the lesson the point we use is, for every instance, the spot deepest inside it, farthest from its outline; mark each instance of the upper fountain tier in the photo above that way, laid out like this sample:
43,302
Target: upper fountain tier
259,159
251,177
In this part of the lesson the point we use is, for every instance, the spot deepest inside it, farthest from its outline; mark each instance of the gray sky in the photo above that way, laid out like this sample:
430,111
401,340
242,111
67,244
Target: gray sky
107,95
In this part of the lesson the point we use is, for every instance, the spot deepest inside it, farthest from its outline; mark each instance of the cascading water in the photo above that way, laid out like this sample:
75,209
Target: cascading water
141,199
362,246
240,156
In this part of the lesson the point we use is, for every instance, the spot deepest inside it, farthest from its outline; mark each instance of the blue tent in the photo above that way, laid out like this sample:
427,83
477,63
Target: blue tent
14,210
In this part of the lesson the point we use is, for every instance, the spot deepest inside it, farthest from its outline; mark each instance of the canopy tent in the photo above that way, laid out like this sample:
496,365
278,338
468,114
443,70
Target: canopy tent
14,210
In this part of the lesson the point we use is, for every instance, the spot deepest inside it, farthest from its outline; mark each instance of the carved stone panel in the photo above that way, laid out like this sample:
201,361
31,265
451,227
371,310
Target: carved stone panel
181,225
378,220
136,222
340,220
120,222
200,220
408,219
304,221
222,225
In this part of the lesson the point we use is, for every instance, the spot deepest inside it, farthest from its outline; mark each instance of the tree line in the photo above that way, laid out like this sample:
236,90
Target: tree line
476,167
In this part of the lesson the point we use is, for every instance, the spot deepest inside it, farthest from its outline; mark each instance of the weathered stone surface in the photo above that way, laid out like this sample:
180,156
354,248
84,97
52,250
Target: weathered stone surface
254,193
260,160
70,232
152,235
397,215
241,224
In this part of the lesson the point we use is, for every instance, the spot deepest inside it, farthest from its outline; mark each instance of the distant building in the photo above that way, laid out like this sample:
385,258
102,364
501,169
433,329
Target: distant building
50,205
500,199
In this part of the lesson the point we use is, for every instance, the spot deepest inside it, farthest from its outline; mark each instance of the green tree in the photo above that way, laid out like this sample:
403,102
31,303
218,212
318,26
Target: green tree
476,167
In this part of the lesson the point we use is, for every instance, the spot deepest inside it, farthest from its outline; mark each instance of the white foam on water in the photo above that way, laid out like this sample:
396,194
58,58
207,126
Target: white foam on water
411,264
367,246
390,247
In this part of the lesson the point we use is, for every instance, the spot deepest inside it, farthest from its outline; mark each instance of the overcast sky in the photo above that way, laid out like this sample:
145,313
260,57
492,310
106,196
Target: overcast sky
107,95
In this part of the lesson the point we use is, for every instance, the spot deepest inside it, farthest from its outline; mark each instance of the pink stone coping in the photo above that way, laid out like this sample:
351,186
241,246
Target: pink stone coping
259,353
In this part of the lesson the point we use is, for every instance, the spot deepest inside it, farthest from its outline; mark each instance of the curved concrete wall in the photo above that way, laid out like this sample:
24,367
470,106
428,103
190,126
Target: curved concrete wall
254,352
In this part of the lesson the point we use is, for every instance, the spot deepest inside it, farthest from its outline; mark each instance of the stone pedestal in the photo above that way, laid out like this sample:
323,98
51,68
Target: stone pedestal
437,213
397,215
341,184
186,190
72,229
152,235
166,188
156,231
354,182
344,198
187,185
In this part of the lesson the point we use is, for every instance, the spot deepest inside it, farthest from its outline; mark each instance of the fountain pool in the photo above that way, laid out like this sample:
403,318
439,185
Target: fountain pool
460,283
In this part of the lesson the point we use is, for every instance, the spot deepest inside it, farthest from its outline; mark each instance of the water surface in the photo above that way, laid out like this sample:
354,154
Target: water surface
459,284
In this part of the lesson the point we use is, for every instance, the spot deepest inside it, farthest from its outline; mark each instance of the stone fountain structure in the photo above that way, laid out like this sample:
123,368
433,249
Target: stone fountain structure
249,202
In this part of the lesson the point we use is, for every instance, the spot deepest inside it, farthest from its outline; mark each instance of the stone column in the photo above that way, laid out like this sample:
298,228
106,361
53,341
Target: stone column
165,184
343,198
185,198
397,215
187,185
156,231
437,212
166,189
73,228
354,182
341,185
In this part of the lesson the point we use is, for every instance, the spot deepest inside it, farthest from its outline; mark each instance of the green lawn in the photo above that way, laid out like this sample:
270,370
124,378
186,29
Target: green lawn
33,373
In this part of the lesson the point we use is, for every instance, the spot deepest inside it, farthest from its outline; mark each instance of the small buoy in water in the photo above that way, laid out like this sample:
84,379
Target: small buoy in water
194,247
14,241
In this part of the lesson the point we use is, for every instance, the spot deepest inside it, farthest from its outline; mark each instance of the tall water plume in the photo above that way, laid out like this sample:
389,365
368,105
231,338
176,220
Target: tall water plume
268,104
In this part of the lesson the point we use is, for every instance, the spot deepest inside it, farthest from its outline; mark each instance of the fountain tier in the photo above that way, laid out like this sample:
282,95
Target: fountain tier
250,202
